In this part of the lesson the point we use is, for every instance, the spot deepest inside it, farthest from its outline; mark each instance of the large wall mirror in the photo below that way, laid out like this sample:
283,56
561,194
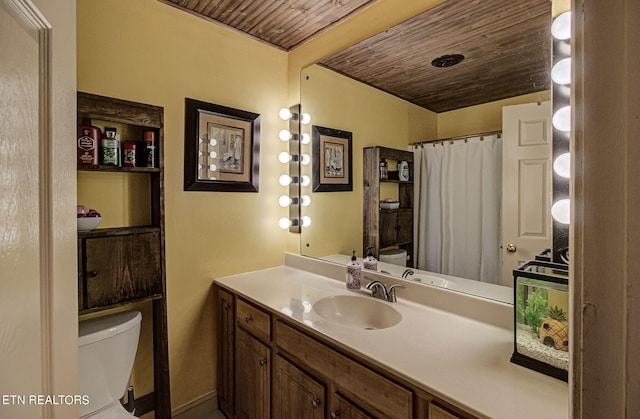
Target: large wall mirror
386,92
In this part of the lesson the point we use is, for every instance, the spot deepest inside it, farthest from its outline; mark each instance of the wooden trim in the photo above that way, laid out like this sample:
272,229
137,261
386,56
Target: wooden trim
197,402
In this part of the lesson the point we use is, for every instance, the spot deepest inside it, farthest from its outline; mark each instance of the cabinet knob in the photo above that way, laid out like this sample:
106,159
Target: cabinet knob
334,415
315,403
92,274
248,319
263,362
226,306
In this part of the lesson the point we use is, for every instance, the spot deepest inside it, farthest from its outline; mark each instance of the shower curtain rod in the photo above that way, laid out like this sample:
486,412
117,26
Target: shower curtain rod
460,137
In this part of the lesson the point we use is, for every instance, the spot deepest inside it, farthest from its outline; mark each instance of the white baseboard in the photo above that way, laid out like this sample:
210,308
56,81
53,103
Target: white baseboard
206,404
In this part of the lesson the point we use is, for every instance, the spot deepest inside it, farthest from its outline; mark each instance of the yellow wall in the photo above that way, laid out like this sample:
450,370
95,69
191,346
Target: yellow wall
374,118
148,52
481,118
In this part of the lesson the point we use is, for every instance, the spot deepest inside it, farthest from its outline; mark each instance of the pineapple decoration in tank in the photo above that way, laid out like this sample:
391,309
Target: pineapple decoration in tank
553,331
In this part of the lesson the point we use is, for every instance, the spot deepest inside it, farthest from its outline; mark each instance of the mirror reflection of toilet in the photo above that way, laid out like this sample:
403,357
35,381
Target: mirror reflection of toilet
106,350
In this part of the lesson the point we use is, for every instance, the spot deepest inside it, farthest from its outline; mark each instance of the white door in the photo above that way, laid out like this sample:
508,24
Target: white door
38,270
526,184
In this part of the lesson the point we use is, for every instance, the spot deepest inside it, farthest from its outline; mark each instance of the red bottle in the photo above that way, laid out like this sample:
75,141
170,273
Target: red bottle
88,140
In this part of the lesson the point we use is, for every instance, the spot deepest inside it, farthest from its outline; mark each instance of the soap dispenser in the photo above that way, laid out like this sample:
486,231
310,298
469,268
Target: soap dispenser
370,262
354,273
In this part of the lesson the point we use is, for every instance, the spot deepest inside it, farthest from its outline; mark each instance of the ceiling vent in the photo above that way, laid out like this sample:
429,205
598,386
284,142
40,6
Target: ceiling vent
447,60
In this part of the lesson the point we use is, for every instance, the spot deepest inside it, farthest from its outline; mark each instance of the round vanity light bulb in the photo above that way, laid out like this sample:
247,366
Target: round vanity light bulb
213,154
305,200
284,157
562,165
562,119
306,138
284,201
561,71
306,221
561,26
305,118
306,181
284,135
284,223
305,159
213,141
285,114
561,211
284,180
213,167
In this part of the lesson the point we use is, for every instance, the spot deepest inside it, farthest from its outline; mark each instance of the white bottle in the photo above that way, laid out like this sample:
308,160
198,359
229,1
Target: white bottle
354,273
370,262
403,171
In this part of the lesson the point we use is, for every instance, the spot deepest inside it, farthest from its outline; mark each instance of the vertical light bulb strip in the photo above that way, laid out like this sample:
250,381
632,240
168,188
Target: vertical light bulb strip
561,104
294,170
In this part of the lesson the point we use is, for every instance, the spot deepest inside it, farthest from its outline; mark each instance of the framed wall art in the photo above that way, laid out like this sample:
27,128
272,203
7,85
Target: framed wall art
222,148
332,160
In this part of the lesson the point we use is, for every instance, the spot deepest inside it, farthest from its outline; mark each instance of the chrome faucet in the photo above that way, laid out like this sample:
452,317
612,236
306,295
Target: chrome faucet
407,273
391,292
380,291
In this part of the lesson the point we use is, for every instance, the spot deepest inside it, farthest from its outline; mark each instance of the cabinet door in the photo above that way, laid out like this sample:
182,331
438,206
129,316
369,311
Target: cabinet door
122,268
388,228
405,226
252,378
225,375
343,408
436,412
296,395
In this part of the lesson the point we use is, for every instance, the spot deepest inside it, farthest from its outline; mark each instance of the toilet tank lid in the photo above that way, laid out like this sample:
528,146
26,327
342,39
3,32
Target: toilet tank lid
99,328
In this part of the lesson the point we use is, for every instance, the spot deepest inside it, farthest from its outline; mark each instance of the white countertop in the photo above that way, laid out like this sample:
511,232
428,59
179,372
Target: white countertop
454,357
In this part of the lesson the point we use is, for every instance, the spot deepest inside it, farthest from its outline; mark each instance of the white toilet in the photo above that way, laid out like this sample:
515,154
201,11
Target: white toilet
107,349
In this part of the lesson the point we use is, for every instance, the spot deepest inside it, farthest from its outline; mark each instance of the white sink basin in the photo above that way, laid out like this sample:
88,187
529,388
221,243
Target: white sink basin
358,312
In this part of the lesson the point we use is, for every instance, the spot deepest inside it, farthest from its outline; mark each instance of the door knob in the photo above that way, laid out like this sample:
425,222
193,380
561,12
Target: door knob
511,248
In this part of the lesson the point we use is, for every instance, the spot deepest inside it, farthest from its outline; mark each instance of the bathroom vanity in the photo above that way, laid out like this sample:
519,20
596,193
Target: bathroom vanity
293,342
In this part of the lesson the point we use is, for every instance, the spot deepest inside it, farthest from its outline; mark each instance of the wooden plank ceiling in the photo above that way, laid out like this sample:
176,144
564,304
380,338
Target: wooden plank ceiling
506,45
282,23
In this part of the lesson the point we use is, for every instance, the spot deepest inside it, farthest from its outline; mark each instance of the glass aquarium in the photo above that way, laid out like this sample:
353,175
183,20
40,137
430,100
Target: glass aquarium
541,317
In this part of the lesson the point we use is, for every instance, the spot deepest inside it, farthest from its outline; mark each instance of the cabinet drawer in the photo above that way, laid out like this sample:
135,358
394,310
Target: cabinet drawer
381,394
254,320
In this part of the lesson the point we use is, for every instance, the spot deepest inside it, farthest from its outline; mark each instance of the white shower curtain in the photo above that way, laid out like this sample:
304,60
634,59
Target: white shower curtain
458,208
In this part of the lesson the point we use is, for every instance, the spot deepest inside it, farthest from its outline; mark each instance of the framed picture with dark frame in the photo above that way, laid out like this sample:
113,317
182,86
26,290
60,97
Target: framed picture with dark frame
332,160
221,148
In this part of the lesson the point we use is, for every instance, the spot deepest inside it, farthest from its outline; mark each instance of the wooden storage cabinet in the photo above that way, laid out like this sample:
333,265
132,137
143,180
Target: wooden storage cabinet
396,227
121,268
366,388
341,407
297,394
270,367
125,264
226,325
252,377
384,228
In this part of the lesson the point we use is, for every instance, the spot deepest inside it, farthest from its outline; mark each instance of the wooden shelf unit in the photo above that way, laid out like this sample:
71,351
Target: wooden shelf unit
386,228
124,265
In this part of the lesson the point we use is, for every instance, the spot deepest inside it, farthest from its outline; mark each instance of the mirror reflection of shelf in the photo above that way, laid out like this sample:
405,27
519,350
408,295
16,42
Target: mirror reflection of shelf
384,228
